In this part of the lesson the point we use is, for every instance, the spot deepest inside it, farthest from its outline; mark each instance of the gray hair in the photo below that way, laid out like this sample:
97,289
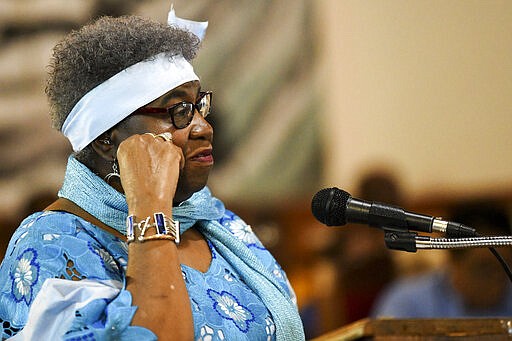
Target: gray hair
89,56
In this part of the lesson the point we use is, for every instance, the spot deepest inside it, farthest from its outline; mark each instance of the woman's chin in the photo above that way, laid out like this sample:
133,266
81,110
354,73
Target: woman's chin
187,188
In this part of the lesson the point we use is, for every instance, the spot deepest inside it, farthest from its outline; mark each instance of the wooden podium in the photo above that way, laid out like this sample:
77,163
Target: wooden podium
423,329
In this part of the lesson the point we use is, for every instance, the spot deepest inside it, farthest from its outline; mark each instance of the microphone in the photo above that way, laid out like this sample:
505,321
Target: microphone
335,207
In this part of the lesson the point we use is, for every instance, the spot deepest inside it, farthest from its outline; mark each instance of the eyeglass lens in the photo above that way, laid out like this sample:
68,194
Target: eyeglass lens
183,113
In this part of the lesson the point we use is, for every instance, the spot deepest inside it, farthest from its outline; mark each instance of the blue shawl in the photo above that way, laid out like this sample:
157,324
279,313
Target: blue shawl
202,210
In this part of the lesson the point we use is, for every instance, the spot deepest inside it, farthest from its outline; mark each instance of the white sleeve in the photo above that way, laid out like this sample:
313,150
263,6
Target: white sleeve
54,307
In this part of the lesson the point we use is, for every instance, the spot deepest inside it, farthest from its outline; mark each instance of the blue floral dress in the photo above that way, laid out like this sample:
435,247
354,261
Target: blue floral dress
61,245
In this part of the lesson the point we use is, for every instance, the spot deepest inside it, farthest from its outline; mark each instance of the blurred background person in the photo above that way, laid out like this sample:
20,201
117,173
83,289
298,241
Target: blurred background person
471,284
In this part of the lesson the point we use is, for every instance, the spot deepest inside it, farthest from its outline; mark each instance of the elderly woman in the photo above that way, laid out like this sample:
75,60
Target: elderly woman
136,247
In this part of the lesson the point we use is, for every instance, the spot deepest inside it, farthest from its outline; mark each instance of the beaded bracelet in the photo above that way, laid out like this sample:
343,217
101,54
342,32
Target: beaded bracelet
165,228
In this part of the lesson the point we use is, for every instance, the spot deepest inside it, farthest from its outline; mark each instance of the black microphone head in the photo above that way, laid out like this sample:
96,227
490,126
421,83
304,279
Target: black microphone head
329,206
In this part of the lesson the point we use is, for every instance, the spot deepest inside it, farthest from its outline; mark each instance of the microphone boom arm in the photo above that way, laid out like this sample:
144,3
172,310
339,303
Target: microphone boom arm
462,243
411,241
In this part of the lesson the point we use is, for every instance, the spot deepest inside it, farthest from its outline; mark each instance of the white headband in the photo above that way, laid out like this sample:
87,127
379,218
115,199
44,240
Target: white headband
116,98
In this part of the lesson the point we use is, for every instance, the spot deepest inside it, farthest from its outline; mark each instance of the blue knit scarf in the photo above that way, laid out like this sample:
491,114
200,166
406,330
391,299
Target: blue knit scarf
95,196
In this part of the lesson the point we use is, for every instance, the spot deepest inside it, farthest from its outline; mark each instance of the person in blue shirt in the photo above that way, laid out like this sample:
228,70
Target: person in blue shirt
471,284
136,247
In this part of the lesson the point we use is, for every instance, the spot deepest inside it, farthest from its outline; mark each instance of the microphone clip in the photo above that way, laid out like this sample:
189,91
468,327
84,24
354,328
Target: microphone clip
400,239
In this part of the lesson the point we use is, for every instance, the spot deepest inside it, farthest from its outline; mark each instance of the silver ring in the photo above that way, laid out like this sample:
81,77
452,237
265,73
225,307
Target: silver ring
166,136
154,136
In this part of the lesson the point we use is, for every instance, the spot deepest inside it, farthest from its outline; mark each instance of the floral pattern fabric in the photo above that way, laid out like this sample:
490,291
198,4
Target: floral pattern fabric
61,245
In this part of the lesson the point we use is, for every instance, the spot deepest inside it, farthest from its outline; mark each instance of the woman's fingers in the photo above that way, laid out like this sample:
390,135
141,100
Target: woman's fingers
149,161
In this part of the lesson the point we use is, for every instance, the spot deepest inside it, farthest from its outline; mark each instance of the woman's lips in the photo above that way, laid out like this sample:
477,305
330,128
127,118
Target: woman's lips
204,156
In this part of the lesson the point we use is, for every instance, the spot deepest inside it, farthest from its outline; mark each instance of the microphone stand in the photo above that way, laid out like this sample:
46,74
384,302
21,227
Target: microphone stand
397,239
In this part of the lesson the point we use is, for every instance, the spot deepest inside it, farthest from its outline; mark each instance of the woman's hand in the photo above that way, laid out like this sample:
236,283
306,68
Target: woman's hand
149,167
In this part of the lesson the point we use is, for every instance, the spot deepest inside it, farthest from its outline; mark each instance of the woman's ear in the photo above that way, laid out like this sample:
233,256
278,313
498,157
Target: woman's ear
104,146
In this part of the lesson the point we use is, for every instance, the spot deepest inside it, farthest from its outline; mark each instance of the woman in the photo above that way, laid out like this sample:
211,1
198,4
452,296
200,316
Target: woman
136,247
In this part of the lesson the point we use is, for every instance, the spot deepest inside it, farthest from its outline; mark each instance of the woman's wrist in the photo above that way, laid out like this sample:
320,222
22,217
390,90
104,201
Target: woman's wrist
155,227
146,206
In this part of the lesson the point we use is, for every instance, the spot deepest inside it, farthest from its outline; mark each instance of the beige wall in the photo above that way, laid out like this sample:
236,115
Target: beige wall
425,86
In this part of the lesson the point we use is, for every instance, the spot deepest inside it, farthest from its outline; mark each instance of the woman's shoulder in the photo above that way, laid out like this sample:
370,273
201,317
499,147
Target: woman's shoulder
52,245
46,221
43,226
63,245
51,225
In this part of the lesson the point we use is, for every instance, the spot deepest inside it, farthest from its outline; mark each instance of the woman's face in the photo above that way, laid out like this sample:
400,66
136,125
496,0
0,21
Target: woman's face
195,140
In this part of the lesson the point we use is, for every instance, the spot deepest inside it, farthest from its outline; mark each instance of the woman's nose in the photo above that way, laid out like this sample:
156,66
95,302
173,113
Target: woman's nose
200,127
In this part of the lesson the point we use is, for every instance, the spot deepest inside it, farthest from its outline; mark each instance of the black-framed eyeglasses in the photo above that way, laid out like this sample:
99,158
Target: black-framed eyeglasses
182,113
